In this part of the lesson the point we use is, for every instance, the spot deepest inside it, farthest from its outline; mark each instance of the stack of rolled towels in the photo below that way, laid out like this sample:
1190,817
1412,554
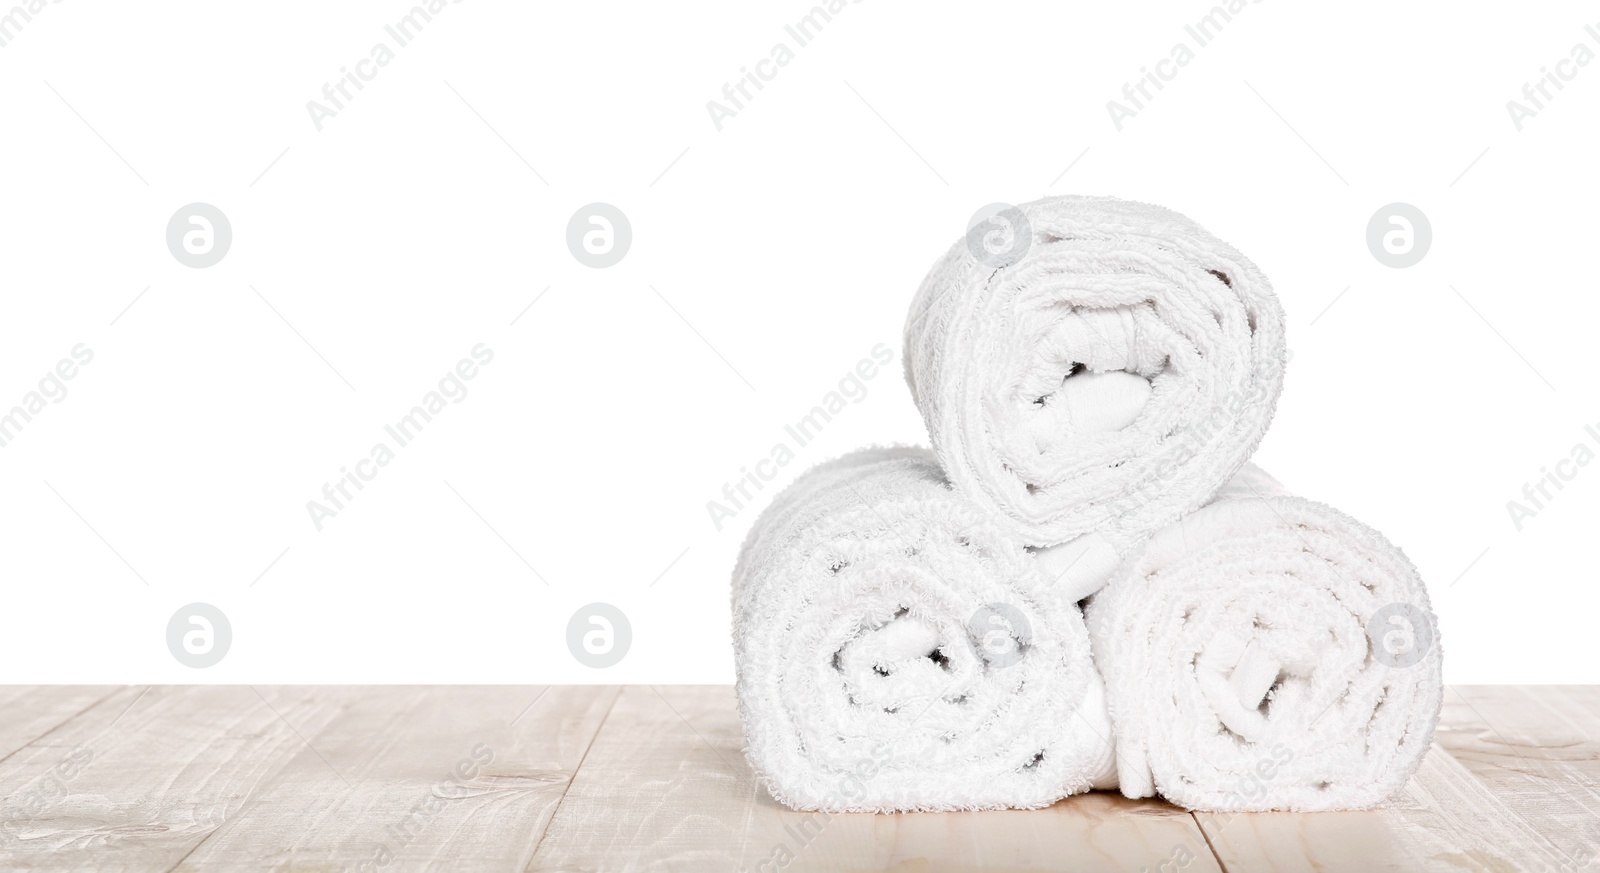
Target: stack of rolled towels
1084,584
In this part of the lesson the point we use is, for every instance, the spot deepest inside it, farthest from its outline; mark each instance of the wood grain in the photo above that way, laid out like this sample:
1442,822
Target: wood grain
672,758
1447,818
145,775
654,779
432,778
1537,750
1444,820
31,711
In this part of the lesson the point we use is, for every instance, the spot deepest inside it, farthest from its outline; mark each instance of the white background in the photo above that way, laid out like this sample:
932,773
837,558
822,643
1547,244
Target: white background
406,231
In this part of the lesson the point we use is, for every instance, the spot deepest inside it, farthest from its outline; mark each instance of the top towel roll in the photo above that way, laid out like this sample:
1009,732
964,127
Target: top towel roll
1093,365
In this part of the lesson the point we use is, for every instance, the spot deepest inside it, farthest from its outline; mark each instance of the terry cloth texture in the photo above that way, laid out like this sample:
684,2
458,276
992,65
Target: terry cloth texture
1268,653
1108,382
896,651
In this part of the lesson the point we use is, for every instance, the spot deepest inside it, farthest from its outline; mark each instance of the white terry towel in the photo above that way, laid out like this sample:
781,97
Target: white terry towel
1268,653
1109,381
895,651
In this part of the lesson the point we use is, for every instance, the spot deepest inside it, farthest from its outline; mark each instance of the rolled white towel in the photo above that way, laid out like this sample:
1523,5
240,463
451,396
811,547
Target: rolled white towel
1268,652
896,651
1101,366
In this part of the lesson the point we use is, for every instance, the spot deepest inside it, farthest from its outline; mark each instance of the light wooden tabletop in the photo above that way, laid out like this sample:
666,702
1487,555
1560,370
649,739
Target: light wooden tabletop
588,778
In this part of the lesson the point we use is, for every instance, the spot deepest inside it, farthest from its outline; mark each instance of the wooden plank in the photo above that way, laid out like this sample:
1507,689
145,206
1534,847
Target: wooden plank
432,778
1096,831
652,794
319,779
1445,819
1537,748
666,787
28,712
139,779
